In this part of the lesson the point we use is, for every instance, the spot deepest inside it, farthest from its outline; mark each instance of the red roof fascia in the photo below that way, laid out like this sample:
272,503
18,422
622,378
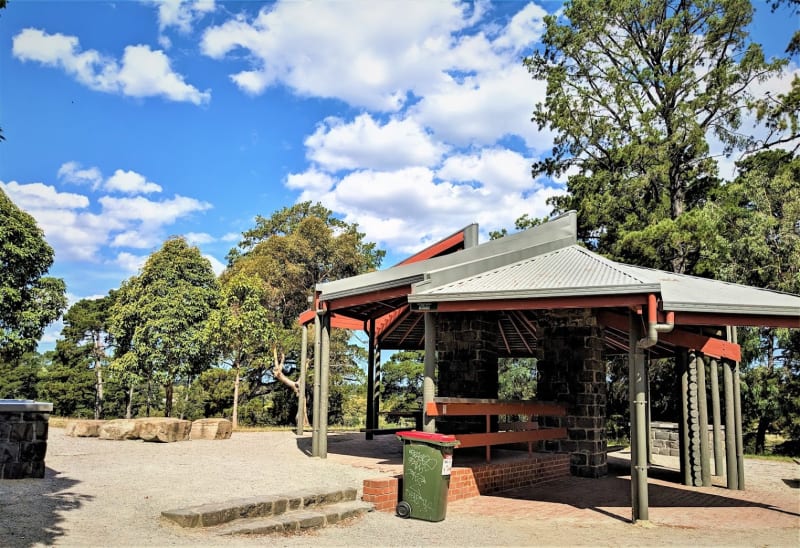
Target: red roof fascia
366,298
439,248
337,320
690,318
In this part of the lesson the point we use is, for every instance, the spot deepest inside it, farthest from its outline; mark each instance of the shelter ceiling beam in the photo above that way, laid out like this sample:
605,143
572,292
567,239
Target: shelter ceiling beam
710,346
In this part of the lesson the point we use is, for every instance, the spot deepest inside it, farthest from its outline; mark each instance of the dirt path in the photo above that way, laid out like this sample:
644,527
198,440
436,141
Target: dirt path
104,493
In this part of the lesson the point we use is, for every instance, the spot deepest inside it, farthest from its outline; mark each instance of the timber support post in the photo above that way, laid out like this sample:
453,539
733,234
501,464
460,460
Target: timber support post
371,412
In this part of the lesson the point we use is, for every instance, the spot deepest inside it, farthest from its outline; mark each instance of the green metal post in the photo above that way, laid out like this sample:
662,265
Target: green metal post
428,386
637,385
317,377
715,418
730,426
324,381
371,380
737,410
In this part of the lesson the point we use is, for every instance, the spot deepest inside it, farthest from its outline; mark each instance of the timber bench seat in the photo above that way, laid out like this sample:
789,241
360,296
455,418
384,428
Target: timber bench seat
514,432
415,414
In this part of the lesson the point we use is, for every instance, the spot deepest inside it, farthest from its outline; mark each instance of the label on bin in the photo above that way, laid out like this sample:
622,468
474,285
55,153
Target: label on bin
447,465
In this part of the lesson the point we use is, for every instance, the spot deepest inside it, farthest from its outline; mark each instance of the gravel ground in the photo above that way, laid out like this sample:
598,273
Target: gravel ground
106,493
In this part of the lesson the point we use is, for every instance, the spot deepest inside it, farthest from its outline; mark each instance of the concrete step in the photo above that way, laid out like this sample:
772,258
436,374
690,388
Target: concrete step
218,513
298,520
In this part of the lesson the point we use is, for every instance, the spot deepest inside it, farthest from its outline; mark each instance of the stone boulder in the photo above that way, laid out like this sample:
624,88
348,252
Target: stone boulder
83,428
164,429
120,429
211,429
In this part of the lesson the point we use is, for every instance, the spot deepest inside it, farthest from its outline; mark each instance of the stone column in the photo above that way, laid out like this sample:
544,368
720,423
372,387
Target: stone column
466,356
572,371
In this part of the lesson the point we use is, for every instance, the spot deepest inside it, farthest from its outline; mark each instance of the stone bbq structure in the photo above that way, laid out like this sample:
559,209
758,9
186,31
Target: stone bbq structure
23,438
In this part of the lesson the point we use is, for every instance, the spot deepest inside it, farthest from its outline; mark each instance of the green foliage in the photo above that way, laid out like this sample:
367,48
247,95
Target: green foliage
289,253
18,377
86,325
159,316
67,382
401,381
633,90
517,379
29,300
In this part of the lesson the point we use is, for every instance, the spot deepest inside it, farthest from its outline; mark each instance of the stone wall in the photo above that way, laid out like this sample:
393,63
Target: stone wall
466,357
572,371
665,438
23,444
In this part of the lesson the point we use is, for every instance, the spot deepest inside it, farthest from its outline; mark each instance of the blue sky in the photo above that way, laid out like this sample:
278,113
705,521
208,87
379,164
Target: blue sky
131,121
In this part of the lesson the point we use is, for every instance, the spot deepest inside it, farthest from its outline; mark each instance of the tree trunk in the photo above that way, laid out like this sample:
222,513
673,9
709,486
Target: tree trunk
149,395
98,371
168,399
235,417
129,407
277,372
761,435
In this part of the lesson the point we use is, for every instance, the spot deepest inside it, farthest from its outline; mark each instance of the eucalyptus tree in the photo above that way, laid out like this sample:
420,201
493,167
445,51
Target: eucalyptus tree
29,300
241,329
159,317
635,90
291,251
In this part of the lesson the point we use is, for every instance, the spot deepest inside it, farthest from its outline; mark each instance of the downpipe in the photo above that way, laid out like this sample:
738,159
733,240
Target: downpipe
653,327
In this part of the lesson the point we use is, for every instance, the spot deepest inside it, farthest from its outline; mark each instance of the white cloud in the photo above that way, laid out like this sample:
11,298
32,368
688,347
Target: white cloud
77,234
147,73
407,208
526,27
72,172
199,238
349,50
311,181
181,14
41,196
143,72
149,211
217,266
367,144
129,262
231,237
130,182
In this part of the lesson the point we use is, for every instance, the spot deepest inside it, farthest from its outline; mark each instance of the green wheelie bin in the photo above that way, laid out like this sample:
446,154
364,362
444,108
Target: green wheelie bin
427,461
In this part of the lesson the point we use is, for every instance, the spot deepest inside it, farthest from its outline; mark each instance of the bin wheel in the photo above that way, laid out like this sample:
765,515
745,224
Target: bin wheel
403,509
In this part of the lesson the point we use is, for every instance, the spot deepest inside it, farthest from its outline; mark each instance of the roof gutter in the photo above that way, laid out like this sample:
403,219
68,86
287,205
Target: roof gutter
653,326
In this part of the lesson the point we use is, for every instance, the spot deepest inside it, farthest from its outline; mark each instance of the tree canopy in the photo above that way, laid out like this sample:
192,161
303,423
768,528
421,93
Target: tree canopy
29,300
159,316
635,90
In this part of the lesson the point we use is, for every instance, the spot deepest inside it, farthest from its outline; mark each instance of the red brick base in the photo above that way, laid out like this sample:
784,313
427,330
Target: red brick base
479,479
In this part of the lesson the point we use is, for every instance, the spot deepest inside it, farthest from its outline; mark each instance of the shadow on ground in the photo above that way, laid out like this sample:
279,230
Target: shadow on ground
31,510
611,495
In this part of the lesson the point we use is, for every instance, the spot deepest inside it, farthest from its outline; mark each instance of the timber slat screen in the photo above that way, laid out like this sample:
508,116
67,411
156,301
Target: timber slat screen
455,407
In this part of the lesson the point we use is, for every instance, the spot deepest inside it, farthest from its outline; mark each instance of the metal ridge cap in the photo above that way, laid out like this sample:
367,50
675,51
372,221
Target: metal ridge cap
535,294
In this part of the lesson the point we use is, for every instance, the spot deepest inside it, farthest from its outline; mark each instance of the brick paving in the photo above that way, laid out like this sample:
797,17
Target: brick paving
771,499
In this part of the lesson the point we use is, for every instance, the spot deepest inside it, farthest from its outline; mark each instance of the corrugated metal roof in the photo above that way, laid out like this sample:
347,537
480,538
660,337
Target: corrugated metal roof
565,270
682,293
554,234
575,271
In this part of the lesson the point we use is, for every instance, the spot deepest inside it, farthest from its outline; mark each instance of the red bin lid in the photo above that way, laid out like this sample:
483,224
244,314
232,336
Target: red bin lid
426,436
